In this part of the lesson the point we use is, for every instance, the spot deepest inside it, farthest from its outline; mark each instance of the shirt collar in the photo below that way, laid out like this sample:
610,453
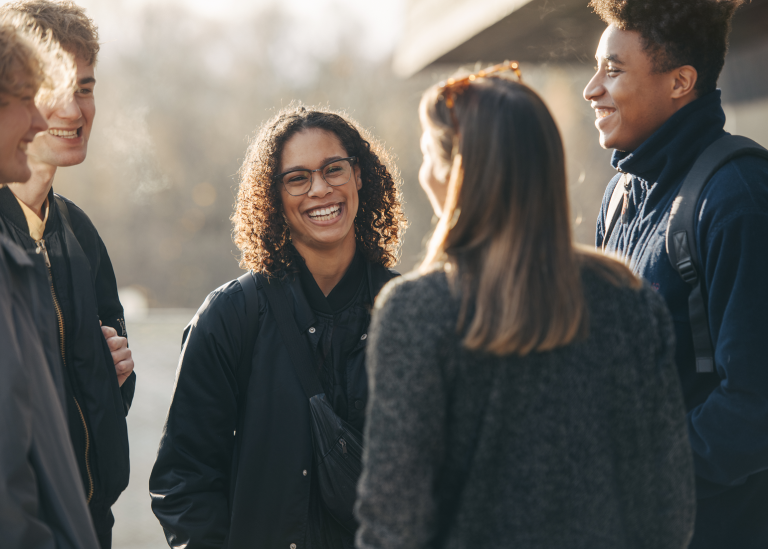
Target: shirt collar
34,223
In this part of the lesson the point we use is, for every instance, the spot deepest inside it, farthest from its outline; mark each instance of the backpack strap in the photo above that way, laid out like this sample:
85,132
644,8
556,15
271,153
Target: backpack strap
617,206
681,238
294,342
67,220
250,331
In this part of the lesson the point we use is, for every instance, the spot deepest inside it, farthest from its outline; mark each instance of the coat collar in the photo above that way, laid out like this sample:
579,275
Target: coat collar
378,276
672,149
14,253
11,210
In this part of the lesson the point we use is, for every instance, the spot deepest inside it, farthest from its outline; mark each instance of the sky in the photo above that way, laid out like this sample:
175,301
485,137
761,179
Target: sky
382,20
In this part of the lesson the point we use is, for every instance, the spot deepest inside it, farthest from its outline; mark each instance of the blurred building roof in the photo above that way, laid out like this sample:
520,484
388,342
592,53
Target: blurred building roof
466,31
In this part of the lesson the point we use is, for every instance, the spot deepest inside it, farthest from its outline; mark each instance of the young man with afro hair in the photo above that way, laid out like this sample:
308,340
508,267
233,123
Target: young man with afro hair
99,381
655,99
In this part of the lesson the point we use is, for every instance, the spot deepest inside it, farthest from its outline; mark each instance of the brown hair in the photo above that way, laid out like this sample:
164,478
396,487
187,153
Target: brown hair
260,230
32,61
504,235
66,21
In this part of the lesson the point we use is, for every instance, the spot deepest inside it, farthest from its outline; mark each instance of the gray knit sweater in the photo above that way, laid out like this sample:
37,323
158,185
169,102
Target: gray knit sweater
581,447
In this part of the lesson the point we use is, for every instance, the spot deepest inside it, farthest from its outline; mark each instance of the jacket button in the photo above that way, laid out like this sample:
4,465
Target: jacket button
359,404
363,337
312,330
304,472
293,546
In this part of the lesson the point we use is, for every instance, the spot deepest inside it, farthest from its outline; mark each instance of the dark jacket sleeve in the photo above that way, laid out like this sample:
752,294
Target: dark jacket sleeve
405,430
656,469
189,483
728,430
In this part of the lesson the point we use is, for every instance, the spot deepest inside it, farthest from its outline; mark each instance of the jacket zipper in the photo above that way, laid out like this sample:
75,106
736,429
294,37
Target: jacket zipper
343,446
60,319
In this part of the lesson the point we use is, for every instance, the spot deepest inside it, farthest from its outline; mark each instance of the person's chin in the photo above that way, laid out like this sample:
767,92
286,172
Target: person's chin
69,158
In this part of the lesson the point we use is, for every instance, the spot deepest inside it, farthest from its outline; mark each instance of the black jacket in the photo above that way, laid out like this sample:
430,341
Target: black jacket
191,479
85,291
42,503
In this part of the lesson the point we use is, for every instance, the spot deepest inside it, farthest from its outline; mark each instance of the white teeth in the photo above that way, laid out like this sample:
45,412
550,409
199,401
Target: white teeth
325,214
67,134
602,113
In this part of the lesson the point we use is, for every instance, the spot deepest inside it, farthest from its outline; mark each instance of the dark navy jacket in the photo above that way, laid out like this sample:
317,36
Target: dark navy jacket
727,410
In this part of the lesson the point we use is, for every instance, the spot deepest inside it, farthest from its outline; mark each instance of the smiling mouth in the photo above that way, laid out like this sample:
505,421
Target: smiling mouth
65,134
325,214
602,113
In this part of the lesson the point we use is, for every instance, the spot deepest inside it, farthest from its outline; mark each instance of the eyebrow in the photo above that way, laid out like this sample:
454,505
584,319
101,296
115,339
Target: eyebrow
87,80
613,58
322,163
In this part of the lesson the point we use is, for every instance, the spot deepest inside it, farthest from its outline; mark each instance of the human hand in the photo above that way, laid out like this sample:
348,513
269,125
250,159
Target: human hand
121,354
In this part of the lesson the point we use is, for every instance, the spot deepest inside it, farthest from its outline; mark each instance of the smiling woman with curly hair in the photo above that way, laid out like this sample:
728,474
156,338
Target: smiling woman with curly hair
262,232
319,223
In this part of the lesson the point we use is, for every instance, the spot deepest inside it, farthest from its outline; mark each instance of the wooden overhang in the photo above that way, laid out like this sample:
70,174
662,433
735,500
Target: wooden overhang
537,31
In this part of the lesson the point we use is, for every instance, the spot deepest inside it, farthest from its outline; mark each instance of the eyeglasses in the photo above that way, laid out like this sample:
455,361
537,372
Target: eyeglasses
454,86
335,173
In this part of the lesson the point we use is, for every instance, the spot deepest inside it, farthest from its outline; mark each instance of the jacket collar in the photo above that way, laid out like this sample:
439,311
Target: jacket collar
14,253
378,276
672,149
11,210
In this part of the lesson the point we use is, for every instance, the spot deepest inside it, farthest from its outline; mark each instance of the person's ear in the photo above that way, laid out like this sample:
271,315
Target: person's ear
685,81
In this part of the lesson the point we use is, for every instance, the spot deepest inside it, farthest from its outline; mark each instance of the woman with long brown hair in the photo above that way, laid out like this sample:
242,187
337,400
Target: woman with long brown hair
523,389
261,444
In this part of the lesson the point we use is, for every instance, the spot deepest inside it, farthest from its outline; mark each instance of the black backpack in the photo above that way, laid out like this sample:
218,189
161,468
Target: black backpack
680,236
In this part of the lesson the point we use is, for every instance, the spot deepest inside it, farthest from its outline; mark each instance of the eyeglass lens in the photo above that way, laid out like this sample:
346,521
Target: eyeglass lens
335,174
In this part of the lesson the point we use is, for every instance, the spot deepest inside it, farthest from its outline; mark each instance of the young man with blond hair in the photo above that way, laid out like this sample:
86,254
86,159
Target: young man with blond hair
42,501
98,367
688,211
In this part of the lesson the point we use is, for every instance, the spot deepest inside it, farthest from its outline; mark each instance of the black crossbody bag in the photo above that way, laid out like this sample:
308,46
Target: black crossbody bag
338,447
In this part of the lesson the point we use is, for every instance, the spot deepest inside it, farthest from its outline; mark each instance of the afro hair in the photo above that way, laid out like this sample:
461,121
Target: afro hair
677,32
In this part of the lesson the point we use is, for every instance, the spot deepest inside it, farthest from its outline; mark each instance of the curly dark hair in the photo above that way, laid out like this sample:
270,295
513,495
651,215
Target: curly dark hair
677,32
260,229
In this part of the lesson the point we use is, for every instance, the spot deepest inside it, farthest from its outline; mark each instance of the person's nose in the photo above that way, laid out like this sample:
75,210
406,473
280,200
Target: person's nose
69,110
38,120
594,88
318,186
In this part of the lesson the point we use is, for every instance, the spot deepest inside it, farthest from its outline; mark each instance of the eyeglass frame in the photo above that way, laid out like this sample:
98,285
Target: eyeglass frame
455,86
279,177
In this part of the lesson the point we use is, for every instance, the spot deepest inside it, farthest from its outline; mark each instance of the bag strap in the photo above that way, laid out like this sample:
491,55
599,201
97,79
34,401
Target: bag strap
251,330
67,220
294,343
617,206
681,238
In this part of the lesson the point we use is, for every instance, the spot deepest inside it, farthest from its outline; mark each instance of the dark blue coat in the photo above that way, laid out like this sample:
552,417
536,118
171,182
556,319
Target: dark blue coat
727,410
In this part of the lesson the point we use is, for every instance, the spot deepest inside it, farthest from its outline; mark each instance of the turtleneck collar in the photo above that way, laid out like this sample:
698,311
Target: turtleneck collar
673,148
